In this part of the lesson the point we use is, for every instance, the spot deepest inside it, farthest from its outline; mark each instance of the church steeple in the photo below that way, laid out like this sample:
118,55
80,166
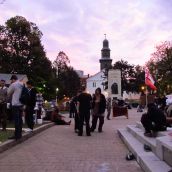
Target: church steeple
105,61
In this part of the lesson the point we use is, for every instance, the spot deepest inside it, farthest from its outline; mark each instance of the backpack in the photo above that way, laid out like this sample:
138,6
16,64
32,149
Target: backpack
24,97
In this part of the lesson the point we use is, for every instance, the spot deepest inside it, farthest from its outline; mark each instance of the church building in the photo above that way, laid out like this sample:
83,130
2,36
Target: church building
96,80
105,61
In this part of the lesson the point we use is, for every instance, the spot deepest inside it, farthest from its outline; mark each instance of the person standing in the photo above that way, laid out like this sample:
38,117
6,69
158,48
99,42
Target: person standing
30,105
39,104
108,108
72,108
15,90
84,106
99,106
3,104
76,116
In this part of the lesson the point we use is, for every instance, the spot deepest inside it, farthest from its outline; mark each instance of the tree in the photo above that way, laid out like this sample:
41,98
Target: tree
139,80
69,83
160,65
127,74
61,62
21,51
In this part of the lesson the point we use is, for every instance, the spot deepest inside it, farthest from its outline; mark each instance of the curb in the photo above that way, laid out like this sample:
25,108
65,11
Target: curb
11,143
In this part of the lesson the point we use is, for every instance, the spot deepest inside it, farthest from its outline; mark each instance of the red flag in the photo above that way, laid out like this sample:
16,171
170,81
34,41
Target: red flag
149,81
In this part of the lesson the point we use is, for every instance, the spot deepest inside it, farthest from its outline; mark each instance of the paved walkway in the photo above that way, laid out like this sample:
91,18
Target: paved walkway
59,149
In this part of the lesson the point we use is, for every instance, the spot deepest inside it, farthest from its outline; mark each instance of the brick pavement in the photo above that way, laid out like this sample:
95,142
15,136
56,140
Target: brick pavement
59,149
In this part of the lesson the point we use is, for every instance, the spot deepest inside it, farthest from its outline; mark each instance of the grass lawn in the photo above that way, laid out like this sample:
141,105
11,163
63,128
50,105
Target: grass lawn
5,134
11,125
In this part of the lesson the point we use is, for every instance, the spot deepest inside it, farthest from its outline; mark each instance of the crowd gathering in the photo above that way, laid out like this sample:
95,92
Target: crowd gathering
83,106
18,101
25,101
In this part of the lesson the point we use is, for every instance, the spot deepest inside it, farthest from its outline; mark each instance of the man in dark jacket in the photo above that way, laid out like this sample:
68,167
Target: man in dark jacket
154,120
72,109
84,106
3,105
30,105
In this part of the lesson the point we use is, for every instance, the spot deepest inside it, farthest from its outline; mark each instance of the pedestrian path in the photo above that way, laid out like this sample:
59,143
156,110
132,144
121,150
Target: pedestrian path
59,149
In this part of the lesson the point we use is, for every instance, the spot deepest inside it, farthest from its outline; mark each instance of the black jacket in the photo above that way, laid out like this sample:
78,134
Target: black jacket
157,116
32,97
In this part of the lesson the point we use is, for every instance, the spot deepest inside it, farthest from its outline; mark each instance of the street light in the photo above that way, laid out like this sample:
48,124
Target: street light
142,88
56,94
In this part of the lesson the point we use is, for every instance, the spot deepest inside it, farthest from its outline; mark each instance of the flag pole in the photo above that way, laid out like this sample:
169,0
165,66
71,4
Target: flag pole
146,98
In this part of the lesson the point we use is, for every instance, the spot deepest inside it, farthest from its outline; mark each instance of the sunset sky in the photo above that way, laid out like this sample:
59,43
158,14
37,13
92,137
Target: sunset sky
77,27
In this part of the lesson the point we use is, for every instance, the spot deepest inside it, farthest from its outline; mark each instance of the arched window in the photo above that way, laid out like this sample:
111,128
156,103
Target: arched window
114,88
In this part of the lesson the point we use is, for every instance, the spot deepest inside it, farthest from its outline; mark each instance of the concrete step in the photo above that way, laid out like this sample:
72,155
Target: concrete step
139,135
160,133
164,148
139,125
148,161
161,145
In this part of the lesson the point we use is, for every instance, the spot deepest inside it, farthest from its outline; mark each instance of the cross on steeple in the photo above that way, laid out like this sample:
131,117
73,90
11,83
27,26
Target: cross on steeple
105,35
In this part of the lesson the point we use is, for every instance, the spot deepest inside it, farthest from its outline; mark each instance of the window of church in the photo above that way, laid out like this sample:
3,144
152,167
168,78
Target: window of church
94,84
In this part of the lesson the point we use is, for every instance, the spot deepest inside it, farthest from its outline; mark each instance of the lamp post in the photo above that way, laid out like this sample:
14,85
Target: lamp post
56,94
142,88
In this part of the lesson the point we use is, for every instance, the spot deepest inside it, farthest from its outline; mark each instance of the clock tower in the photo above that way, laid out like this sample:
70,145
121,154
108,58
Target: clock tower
105,61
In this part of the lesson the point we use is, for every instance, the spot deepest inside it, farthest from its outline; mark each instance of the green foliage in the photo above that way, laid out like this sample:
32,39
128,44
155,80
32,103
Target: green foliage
21,51
61,62
160,66
132,77
68,82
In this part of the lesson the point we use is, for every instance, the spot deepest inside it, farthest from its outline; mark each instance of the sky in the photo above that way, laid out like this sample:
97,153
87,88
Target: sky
77,27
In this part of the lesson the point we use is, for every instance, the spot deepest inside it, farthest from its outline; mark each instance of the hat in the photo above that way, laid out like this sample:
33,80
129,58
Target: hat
14,77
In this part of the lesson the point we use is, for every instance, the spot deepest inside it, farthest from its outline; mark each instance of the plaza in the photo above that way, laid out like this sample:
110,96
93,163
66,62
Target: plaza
59,149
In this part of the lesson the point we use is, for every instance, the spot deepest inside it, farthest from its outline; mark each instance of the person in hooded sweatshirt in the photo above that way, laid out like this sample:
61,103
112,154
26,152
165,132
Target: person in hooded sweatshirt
153,121
14,91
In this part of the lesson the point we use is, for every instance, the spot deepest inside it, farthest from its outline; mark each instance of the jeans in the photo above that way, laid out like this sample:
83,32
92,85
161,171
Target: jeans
3,115
76,121
17,115
84,117
94,122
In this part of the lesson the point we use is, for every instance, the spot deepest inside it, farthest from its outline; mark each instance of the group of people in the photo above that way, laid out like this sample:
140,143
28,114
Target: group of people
83,106
11,97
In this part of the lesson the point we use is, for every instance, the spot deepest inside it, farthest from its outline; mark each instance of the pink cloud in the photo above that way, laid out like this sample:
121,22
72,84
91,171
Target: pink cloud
78,27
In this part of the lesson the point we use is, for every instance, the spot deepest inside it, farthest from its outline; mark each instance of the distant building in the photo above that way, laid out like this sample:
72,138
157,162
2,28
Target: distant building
6,77
96,80
80,73
83,78
105,61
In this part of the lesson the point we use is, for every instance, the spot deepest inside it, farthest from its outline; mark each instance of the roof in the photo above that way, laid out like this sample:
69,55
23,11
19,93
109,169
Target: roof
7,77
99,74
